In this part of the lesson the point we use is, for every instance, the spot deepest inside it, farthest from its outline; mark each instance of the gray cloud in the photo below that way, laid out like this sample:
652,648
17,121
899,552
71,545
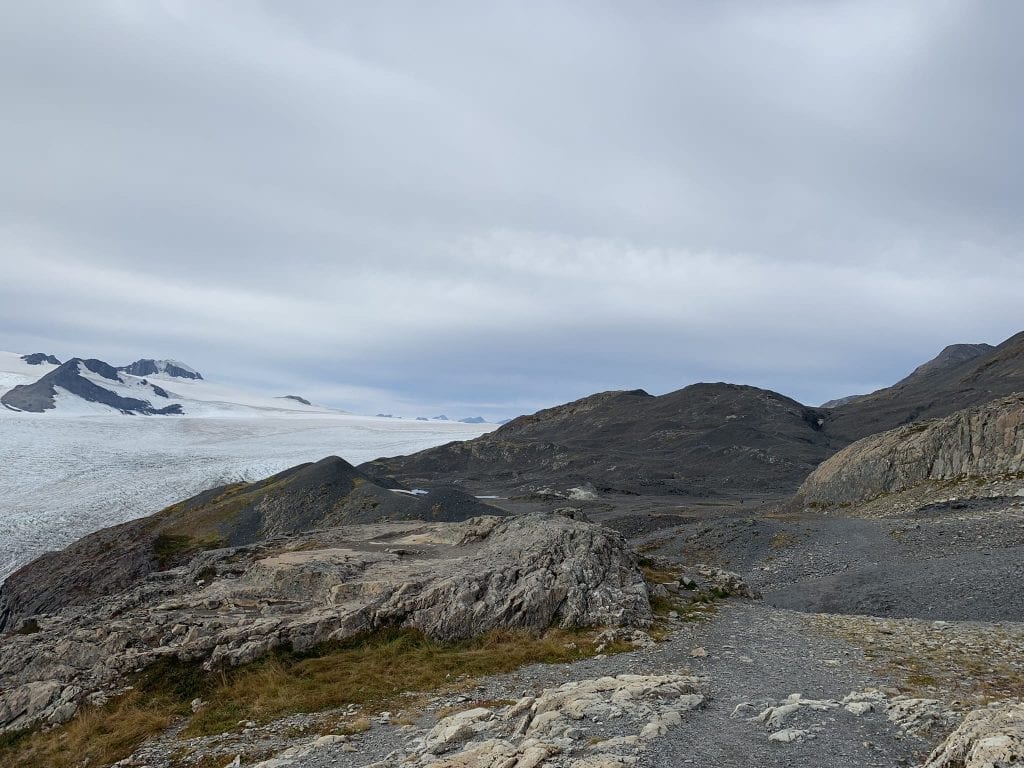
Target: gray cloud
495,207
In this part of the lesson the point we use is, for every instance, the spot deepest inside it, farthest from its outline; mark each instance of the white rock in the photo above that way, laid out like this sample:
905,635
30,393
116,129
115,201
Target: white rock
789,735
991,737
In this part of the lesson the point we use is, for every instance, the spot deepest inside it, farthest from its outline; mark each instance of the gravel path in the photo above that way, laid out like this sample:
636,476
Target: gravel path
955,565
754,653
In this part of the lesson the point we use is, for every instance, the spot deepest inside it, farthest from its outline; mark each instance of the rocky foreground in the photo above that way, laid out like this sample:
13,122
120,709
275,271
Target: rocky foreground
230,606
749,685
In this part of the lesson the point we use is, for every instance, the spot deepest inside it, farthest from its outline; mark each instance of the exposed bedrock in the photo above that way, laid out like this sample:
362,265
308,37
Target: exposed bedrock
230,606
984,442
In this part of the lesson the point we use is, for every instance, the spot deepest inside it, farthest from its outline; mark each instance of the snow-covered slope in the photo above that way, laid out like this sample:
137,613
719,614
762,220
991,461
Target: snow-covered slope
150,367
15,371
166,390
200,397
82,465
61,478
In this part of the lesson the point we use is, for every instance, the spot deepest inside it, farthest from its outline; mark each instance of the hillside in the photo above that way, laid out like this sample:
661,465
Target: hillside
328,493
963,375
982,444
703,440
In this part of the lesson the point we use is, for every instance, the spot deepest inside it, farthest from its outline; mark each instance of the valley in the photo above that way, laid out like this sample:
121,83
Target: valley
741,581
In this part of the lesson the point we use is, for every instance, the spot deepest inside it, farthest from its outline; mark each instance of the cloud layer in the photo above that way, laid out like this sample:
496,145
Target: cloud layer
490,208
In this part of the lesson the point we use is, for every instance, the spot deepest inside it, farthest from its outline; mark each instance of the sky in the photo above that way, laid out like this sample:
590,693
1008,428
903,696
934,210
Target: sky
489,208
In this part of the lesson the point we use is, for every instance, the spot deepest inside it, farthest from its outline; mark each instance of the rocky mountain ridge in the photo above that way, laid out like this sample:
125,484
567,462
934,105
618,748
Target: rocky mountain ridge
705,440
73,378
701,440
150,367
963,375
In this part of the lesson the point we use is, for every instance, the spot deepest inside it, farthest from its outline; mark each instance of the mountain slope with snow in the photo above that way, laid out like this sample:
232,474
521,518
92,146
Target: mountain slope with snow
173,368
88,381
82,465
62,478
18,369
92,387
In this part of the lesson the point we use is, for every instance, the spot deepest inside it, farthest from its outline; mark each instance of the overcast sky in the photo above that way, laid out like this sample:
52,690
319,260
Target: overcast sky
495,207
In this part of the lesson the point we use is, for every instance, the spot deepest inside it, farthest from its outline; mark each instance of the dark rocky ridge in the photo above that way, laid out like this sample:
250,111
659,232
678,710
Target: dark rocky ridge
38,358
702,440
329,493
950,357
963,375
706,439
297,399
149,367
40,395
840,401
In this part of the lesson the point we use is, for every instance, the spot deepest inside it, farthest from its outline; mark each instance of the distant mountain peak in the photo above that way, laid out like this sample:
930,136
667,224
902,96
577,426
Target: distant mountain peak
150,367
40,358
960,376
71,377
951,356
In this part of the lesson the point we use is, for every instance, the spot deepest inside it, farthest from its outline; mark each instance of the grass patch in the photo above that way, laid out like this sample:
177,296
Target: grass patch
12,739
693,606
359,725
655,575
374,670
98,736
973,664
28,627
170,548
370,671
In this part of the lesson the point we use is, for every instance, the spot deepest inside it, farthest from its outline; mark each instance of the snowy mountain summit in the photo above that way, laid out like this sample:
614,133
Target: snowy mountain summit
39,383
91,381
40,358
173,368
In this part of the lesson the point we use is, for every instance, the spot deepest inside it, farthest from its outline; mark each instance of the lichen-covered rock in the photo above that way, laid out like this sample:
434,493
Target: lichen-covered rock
992,737
557,722
919,716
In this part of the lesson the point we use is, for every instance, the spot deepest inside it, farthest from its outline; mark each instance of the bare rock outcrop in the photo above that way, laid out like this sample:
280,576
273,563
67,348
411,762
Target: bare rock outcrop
230,606
325,494
976,443
990,737
561,722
